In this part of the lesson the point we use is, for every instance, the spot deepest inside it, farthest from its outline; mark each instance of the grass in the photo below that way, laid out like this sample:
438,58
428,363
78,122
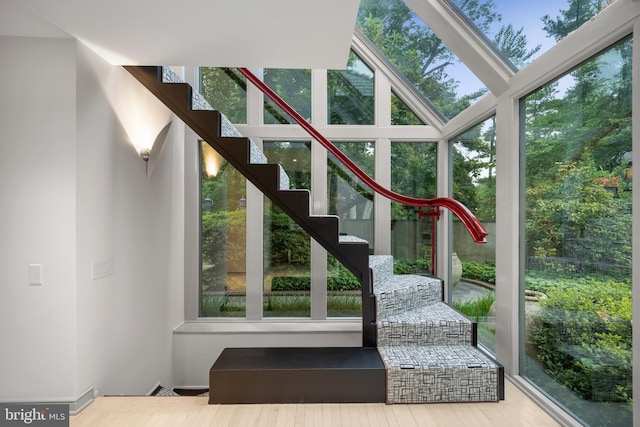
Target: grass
279,305
476,308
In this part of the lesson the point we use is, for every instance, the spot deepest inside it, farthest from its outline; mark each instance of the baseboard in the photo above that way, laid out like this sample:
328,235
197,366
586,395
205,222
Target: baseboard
84,400
76,405
154,389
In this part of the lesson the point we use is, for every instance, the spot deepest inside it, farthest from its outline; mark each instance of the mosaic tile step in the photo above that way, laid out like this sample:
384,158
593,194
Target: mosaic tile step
382,266
441,374
435,324
405,292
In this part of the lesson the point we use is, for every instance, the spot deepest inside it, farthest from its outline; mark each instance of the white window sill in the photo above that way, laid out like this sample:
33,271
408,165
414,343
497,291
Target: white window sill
243,326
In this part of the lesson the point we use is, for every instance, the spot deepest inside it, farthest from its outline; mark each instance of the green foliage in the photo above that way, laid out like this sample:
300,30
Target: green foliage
341,280
226,90
215,245
289,243
583,338
412,266
477,271
477,307
574,215
279,305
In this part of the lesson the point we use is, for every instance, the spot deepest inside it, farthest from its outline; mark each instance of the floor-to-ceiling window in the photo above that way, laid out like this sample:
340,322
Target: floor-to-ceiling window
287,254
473,278
576,137
413,171
223,236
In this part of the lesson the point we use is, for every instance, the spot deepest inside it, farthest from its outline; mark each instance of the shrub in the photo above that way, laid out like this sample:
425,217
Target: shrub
583,338
476,271
411,266
343,280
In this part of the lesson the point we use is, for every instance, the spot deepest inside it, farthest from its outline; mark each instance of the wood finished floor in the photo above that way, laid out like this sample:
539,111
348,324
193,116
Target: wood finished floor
516,410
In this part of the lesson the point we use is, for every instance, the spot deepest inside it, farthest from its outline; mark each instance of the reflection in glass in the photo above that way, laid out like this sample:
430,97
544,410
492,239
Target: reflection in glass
294,87
352,202
473,265
401,114
578,310
222,237
413,173
351,94
349,198
225,89
522,34
287,263
419,54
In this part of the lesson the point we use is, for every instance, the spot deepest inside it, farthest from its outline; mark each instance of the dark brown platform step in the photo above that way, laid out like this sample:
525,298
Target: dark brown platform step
298,375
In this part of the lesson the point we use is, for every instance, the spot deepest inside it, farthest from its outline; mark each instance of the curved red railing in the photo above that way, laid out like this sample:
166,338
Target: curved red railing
475,228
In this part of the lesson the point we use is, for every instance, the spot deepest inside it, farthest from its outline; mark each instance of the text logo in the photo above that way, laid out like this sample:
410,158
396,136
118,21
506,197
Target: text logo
38,415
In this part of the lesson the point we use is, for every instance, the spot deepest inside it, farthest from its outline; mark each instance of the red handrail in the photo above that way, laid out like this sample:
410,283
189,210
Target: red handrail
475,228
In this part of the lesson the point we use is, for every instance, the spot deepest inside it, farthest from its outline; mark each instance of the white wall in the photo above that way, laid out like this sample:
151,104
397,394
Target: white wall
76,196
129,223
37,218
197,345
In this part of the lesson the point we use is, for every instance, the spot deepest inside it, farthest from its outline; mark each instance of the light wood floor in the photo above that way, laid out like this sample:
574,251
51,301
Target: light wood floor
516,410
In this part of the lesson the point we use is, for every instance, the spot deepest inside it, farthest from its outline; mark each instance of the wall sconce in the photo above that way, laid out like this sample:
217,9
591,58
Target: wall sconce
242,203
151,155
145,153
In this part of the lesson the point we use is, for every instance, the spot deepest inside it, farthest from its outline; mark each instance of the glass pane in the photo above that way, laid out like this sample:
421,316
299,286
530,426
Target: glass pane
226,90
349,198
344,295
420,55
352,202
223,235
351,94
472,264
287,264
577,308
413,173
294,87
401,114
524,33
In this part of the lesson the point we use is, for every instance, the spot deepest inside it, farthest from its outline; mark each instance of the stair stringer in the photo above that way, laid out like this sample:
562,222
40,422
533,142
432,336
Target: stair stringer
271,180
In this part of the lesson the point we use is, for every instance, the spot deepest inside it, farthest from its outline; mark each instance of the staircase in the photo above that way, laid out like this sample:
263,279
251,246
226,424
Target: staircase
429,349
426,351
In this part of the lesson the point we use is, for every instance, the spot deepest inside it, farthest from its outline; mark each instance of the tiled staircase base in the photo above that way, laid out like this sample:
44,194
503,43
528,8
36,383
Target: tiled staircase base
428,348
439,374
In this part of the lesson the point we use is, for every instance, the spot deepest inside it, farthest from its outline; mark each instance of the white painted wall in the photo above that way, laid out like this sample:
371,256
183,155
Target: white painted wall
197,345
129,221
37,218
76,194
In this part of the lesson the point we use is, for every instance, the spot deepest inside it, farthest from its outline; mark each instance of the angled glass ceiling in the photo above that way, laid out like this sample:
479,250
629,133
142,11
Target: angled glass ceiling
420,55
521,33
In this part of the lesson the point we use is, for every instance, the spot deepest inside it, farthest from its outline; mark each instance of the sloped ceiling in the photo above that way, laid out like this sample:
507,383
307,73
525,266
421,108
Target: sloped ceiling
247,33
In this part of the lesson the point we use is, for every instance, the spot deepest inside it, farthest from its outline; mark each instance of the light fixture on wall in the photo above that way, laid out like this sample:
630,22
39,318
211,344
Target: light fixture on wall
151,154
145,153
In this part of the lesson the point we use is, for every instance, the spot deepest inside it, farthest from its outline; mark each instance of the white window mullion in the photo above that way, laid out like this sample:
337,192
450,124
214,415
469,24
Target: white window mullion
382,159
318,195
444,166
382,205
255,245
255,216
508,183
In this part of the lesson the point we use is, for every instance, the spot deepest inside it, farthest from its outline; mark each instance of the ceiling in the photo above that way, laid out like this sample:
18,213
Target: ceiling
246,33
